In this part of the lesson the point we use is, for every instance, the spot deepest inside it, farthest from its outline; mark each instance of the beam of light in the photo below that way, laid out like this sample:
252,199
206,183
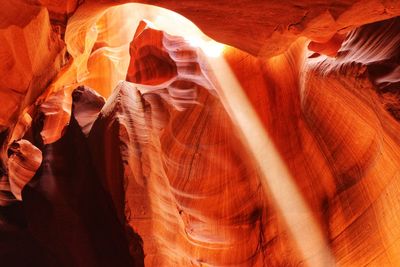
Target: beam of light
276,177
116,27
171,22
210,47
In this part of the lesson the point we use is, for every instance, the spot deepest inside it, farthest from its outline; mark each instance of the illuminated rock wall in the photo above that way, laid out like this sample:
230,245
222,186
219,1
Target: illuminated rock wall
129,137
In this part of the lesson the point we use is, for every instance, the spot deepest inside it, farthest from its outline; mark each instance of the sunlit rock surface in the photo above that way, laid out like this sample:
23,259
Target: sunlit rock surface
24,159
130,138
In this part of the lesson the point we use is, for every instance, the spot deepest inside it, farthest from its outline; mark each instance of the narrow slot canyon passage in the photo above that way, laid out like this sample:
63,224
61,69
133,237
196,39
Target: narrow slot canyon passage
199,133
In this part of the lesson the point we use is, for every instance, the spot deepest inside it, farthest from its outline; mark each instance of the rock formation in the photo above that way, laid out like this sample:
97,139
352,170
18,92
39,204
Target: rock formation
129,137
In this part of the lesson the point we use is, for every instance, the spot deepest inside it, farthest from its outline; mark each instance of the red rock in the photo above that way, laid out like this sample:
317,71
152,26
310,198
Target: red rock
23,162
282,150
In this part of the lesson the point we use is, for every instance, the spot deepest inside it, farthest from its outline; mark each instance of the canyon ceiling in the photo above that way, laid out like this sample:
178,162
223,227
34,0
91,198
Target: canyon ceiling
199,133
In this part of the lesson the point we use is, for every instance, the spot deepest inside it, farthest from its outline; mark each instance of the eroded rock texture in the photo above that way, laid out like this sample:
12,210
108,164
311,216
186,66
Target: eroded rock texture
146,143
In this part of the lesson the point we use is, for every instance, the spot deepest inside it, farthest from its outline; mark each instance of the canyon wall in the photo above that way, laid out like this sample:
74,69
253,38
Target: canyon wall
125,143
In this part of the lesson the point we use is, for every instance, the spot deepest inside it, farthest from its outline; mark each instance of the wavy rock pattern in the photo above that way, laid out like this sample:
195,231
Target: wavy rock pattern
179,225
31,54
67,209
362,146
157,171
24,160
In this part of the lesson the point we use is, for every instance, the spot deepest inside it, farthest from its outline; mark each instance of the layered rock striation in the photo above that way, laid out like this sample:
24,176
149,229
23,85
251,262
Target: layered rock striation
127,151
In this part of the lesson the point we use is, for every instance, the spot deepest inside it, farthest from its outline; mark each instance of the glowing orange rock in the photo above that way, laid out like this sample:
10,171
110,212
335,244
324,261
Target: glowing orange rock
165,159
24,160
